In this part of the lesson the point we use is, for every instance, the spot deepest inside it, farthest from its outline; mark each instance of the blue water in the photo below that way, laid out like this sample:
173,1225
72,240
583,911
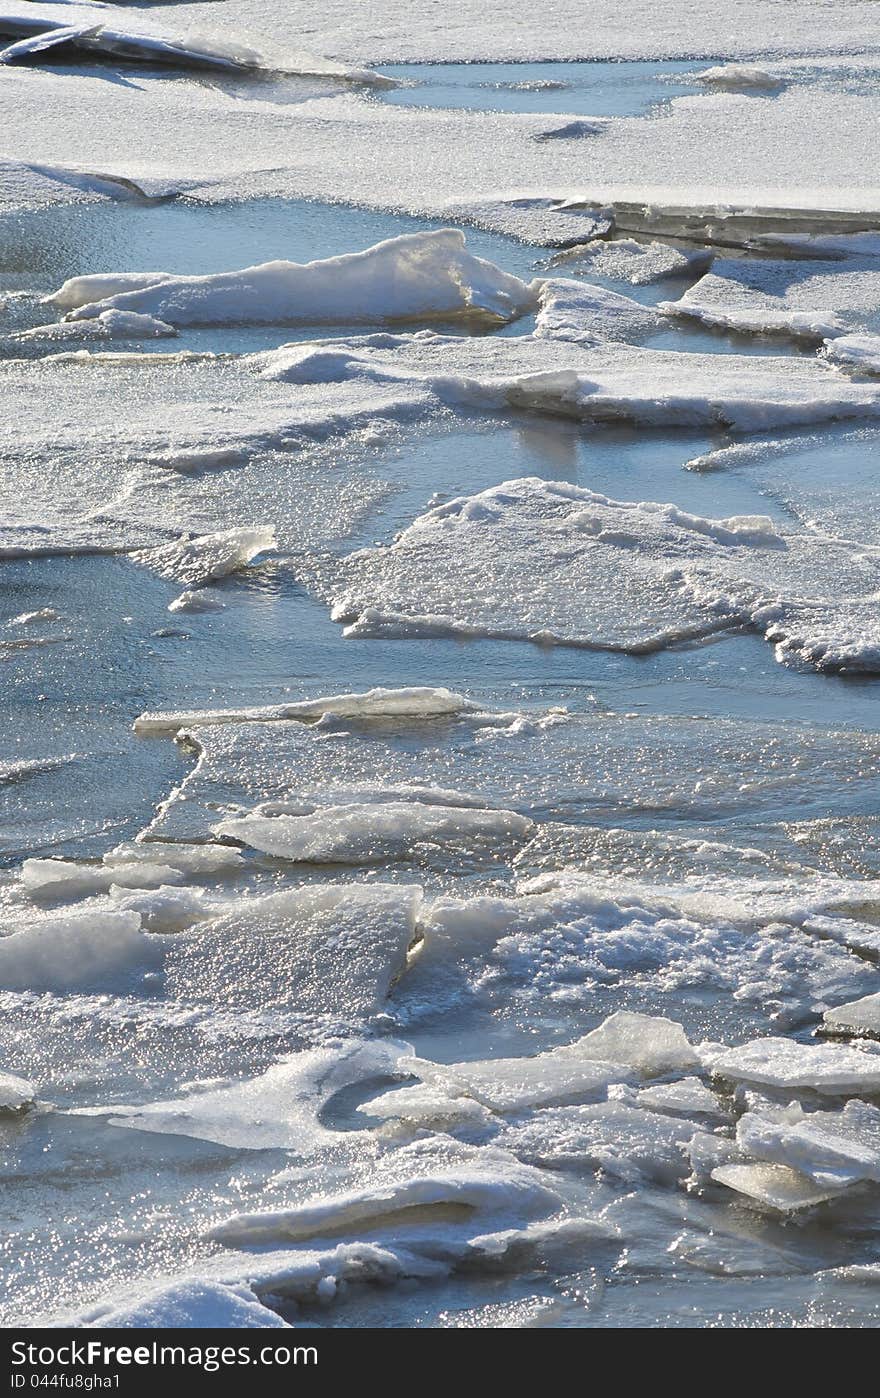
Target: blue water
601,89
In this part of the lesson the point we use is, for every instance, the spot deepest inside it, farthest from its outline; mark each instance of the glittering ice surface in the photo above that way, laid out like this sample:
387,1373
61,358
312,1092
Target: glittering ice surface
439,636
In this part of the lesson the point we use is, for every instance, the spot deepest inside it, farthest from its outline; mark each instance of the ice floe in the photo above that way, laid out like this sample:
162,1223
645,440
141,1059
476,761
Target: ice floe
79,951
773,1186
834,1149
15,1093
743,77
109,325
207,557
859,1017
357,834
833,1070
279,1109
612,575
812,300
417,276
415,702
582,313
512,1084
627,260
628,1142
323,949
855,352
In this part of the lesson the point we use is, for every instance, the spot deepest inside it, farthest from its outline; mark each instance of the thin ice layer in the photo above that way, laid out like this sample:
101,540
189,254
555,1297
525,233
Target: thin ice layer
417,702
279,1109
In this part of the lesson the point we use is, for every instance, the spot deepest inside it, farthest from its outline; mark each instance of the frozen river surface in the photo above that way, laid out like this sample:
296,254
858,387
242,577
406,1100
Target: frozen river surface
439,649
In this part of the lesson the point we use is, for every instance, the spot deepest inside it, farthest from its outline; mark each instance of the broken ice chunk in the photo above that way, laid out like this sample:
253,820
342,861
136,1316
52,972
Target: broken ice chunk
649,1043
416,702
855,352
513,1084
79,952
279,1109
687,1097
859,1017
15,1093
200,559
420,275
581,312
65,878
323,949
355,834
482,1184
164,909
834,1149
832,1069
741,77
775,1186
624,1140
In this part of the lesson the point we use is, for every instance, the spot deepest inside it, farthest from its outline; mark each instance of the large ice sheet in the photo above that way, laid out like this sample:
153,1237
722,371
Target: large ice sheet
609,382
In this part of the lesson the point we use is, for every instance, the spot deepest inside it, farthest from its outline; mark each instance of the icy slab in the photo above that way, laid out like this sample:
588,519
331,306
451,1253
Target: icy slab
546,222
774,1186
471,567
514,1084
15,1093
418,702
859,1017
207,557
552,563
687,1097
834,1149
279,1109
585,314
485,1184
860,352
627,1142
358,834
109,325
415,276
609,382
648,1043
199,861
741,77
428,1107
78,952
62,878
189,1304
580,767
324,949
834,1070
164,909
640,264
813,300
